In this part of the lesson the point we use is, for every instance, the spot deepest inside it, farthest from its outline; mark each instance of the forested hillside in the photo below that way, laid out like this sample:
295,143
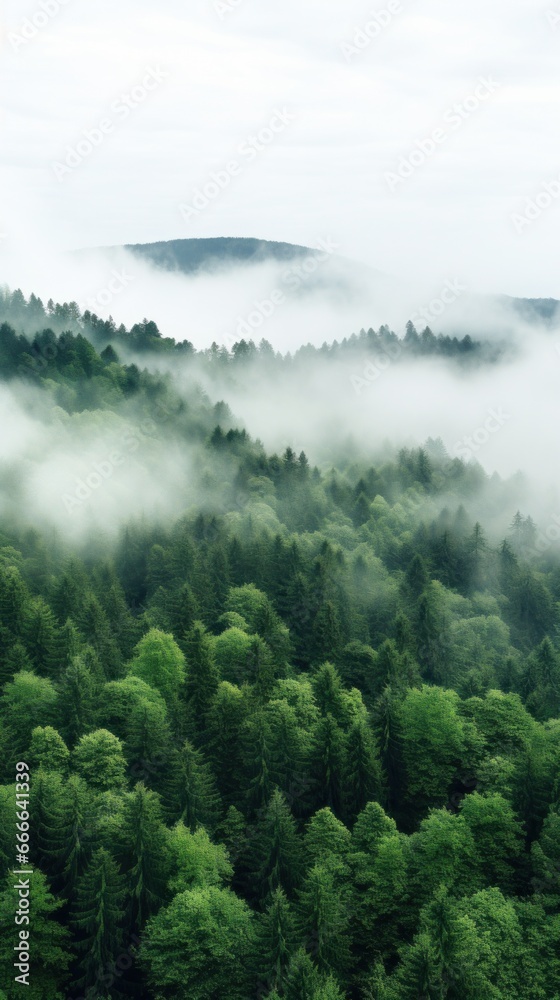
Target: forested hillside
299,740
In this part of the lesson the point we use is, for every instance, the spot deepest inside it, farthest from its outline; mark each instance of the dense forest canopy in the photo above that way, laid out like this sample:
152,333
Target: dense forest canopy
292,735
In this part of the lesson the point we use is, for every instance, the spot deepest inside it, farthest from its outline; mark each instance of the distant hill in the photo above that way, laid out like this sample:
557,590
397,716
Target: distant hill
340,276
545,311
189,256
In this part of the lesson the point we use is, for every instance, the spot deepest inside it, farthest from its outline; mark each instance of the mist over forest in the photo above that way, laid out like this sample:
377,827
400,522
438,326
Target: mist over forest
279,639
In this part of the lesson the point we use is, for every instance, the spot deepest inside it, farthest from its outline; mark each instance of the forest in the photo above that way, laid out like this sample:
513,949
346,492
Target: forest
296,738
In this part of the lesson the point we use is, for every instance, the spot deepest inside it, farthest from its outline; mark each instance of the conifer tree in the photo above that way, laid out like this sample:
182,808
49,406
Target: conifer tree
143,851
275,941
98,916
277,850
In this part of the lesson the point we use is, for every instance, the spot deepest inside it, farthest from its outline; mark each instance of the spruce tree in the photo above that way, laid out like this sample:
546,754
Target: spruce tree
276,853
275,941
98,917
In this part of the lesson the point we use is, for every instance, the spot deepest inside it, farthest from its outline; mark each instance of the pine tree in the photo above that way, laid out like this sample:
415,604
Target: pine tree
327,687
327,764
327,634
323,921
143,852
72,833
276,853
46,803
42,639
196,798
77,692
275,941
202,676
388,729
259,766
225,732
49,943
363,781
148,742
302,979
98,916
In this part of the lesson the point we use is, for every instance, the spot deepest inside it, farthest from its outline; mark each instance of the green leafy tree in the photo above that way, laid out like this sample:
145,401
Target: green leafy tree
99,759
195,860
497,835
48,750
28,702
430,719
160,663
199,946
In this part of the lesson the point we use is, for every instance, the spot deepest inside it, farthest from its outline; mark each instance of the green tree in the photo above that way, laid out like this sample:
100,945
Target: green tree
275,941
431,721
277,849
99,759
49,941
327,764
327,841
195,792
28,702
160,663
323,920
195,860
497,835
78,691
303,978
364,780
202,676
199,946
148,743
141,844
48,750
98,915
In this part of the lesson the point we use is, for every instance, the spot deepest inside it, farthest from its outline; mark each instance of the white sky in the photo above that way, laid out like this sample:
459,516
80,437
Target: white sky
324,174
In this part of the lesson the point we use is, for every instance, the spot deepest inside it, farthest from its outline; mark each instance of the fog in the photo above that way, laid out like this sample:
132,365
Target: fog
320,298
503,415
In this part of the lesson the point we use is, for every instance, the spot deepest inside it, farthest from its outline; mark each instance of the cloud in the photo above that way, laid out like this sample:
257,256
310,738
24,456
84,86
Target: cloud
354,119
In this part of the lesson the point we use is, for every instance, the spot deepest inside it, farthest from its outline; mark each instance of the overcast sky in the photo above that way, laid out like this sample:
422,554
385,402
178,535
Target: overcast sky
219,72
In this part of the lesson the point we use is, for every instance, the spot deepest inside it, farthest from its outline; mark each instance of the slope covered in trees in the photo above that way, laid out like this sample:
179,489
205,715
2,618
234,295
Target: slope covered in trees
299,742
